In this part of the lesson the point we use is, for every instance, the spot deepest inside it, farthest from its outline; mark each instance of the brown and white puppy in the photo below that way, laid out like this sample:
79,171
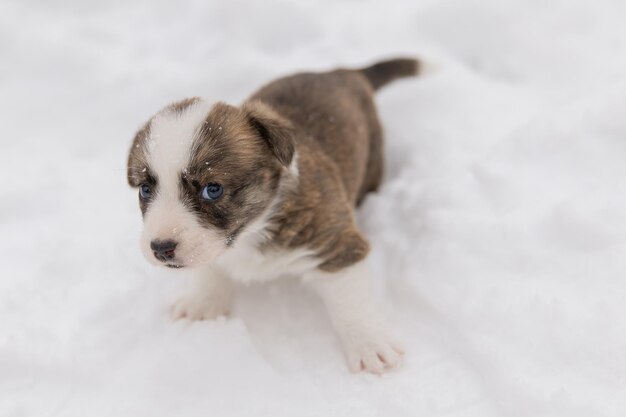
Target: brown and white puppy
268,189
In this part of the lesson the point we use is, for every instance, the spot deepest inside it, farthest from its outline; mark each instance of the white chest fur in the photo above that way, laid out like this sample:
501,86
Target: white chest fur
246,264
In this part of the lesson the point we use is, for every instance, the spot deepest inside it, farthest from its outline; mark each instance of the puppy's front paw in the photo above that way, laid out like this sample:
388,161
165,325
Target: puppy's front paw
199,308
374,353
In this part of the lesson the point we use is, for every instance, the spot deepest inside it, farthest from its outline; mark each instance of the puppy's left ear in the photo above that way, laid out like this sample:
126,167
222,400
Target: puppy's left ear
277,131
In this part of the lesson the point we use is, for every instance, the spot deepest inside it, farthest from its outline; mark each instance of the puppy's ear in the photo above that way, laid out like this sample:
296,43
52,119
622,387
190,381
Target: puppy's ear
274,129
136,162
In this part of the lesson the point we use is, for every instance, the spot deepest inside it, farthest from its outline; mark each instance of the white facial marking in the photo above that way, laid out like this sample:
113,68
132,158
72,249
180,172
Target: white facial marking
169,145
168,149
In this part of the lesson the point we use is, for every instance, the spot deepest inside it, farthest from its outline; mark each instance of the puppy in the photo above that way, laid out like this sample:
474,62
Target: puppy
268,189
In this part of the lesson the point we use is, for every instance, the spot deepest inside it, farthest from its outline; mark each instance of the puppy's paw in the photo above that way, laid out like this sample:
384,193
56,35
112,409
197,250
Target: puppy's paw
375,354
193,307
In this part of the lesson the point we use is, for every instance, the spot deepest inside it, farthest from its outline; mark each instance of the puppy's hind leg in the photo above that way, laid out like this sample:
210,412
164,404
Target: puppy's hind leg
210,296
351,305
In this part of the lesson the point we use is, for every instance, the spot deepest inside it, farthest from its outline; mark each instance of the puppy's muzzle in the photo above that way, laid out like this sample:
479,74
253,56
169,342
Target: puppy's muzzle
164,250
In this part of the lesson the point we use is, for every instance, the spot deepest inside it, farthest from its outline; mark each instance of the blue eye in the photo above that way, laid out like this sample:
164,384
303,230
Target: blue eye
212,192
145,192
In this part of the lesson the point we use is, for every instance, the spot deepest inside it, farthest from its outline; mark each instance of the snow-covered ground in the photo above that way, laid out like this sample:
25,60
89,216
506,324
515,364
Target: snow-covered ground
499,237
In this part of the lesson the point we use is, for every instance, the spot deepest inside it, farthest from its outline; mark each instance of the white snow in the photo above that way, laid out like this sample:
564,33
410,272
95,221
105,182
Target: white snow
498,237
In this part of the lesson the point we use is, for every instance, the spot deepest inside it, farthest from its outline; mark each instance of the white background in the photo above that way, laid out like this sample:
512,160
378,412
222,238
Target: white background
498,237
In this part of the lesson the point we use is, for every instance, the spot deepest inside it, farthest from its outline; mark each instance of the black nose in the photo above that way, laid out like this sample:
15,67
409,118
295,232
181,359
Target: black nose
163,249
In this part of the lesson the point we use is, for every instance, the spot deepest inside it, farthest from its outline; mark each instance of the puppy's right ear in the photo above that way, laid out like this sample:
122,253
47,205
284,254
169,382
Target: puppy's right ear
277,132
136,162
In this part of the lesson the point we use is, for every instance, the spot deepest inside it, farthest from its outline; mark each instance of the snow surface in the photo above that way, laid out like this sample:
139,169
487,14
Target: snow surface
498,237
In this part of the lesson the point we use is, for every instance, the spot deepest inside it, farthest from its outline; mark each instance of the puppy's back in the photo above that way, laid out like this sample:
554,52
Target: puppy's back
336,110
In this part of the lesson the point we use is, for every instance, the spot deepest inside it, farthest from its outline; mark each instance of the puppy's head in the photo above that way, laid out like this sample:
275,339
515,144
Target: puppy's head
204,174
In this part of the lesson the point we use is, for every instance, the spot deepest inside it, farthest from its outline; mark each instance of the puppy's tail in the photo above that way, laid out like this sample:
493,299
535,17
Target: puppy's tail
384,72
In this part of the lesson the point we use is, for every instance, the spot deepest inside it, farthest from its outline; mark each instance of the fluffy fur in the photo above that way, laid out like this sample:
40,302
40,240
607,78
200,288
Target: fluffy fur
293,162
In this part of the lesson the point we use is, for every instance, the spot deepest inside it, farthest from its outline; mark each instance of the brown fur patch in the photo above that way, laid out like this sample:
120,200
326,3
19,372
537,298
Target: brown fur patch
277,132
231,152
335,110
182,105
136,172
317,214
339,147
